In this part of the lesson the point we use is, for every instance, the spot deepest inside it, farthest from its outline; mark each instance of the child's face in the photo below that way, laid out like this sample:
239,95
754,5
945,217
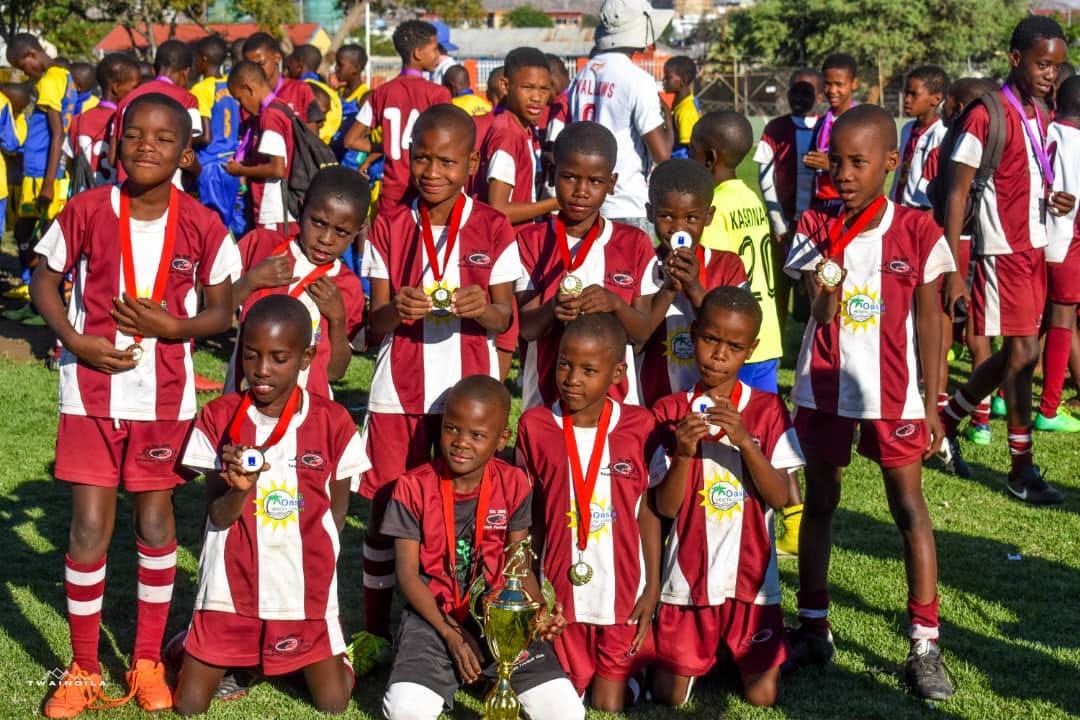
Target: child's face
672,82
585,370
472,432
150,146
294,67
675,211
246,98
327,228
441,160
272,355
32,63
1035,69
124,86
267,60
803,95
917,99
723,342
582,183
346,69
528,91
324,104
839,85
427,55
858,164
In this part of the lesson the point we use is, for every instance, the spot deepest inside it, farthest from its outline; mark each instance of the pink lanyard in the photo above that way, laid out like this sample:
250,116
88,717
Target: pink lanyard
1038,142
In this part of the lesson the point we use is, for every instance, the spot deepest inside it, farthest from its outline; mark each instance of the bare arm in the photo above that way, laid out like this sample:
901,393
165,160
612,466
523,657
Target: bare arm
661,139
359,138
956,202
274,169
928,334
517,212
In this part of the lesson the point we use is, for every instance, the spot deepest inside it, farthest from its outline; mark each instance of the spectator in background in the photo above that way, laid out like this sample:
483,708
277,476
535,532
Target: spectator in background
456,80
442,36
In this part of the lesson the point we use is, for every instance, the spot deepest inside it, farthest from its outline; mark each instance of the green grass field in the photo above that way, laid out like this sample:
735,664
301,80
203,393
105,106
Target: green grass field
1009,583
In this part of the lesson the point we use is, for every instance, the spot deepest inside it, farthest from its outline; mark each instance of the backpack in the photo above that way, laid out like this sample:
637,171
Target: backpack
938,189
309,156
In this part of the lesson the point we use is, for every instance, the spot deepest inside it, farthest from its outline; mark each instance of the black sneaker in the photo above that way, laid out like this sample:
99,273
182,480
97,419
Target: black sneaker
952,459
1029,486
234,685
924,672
808,647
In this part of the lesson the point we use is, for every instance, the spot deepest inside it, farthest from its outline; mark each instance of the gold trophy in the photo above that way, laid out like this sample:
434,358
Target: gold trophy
510,620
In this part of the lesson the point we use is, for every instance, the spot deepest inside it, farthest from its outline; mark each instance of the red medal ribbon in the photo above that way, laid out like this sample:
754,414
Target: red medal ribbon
279,429
584,486
572,263
840,238
446,486
305,282
700,251
451,237
735,397
127,261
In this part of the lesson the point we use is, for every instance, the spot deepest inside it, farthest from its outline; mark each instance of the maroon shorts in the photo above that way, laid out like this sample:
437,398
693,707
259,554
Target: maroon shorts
396,443
145,454
278,646
1063,278
889,443
689,638
1008,294
586,651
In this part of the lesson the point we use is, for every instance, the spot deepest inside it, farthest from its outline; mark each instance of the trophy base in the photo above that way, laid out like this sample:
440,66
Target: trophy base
502,703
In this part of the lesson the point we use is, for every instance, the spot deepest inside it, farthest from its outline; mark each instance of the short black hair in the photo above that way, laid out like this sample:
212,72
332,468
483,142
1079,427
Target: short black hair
146,71
840,61
214,48
357,52
683,66
484,389
524,57
173,55
17,93
735,300
727,133
280,309
870,116
183,119
340,183
456,74
412,35
967,89
586,138
310,56
1068,98
1032,29
1065,71
262,41
493,76
114,67
445,116
82,73
247,71
819,81
681,176
554,61
600,327
933,78
20,44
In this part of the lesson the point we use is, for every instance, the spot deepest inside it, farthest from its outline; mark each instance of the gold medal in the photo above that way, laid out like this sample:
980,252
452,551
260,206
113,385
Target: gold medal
830,274
441,298
580,573
136,351
571,284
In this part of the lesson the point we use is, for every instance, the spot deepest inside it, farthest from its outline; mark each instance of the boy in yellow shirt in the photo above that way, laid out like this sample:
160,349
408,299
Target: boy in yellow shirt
740,225
679,74
456,80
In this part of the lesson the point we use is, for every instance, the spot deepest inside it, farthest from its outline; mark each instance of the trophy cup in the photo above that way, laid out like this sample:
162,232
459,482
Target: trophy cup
510,620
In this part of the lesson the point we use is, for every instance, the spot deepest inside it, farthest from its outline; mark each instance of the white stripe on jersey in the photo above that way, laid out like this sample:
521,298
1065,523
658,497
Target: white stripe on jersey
1064,141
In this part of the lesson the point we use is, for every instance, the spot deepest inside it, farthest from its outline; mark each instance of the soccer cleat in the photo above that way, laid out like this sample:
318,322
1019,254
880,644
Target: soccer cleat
77,691
997,406
808,647
1030,486
1063,422
952,459
19,292
234,685
978,434
367,651
146,682
19,314
924,671
787,530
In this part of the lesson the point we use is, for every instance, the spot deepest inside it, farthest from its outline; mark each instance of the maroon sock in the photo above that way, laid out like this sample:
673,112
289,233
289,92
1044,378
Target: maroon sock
1019,448
924,619
942,400
958,408
157,571
84,584
1055,364
813,610
378,584
981,416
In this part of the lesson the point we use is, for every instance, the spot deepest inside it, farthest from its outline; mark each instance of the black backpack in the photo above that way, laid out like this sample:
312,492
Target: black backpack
938,189
309,156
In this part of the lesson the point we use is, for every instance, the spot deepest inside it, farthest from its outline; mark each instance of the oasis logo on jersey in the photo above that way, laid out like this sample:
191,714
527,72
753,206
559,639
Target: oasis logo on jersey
478,258
278,506
601,516
622,279
722,495
183,265
861,308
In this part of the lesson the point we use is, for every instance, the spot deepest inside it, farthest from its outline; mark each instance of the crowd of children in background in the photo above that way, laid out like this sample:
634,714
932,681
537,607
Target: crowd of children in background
644,301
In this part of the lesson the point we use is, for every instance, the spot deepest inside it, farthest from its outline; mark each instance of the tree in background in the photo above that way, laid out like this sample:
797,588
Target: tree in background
526,16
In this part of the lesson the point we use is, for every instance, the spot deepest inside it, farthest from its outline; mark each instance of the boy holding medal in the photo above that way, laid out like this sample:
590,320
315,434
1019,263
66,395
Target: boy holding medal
578,262
452,520
279,463
309,268
680,208
727,452
872,277
127,391
442,269
587,457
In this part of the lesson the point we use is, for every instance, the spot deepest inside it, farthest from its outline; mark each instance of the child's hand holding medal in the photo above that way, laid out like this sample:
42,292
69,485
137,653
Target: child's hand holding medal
241,466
